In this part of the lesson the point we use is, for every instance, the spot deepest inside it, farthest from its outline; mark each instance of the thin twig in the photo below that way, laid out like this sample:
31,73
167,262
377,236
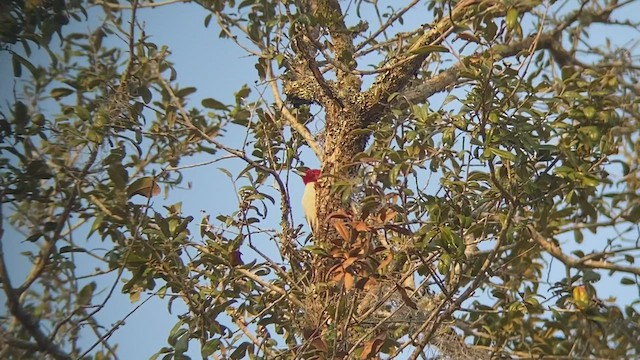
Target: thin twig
140,6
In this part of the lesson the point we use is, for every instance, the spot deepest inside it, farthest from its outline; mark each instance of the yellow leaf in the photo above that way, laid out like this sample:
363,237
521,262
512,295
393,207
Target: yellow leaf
580,297
319,344
427,49
338,276
134,297
469,37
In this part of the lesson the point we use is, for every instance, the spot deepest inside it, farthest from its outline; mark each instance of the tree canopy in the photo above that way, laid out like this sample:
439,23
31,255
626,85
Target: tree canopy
479,191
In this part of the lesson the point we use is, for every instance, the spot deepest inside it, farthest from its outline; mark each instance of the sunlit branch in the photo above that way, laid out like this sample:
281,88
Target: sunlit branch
291,120
270,286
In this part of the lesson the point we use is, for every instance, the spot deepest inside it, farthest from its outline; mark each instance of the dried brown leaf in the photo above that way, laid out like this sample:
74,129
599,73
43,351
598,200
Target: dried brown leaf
361,226
405,297
348,281
343,231
348,262
373,346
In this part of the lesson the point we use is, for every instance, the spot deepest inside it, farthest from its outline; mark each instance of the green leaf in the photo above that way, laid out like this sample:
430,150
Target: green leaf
50,226
163,224
21,116
214,104
503,154
118,175
590,276
146,186
393,174
589,181
242,93
444,263
240,351
633,214
577,233
164,350
512,18
34,237
627,281
210,347
95,136
589,112
71,249
145,94
182,345
85,295
452,240
630,259
24,62
17,67
184,92
175,332
82,112
59,93
428,49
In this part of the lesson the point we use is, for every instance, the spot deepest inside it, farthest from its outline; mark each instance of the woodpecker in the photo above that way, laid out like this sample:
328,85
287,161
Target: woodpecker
309,197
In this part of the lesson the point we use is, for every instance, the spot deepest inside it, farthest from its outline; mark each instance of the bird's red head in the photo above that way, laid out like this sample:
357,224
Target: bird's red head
311,176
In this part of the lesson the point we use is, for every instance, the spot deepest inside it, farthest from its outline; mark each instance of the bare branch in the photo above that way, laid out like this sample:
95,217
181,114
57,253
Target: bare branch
587,262
386,25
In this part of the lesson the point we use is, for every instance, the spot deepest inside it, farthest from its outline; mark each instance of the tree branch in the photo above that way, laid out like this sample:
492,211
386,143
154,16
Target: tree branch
139,6
451,77
48,246
392,19
404,65
17,343
578,263
20,313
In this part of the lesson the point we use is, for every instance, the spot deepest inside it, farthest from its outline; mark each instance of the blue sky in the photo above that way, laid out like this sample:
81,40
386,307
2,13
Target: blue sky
217,68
